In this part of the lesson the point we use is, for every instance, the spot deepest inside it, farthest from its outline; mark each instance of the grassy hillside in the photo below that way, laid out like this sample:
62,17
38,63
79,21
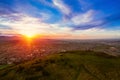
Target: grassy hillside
74,65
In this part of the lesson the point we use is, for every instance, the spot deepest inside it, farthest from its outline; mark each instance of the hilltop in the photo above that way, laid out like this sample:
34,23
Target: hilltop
70,65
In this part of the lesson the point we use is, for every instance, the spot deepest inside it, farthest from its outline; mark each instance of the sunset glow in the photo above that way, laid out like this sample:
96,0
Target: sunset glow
97,19
29,35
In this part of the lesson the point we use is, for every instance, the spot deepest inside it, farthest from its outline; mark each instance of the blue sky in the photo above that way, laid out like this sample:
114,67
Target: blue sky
74,19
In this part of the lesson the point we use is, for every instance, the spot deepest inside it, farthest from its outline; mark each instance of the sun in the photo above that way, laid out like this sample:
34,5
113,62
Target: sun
29,38
29,35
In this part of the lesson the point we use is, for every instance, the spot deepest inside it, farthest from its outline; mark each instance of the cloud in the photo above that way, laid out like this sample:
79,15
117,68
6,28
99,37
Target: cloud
64,8
7,7
47,3
7,32
88,20
83,18
93,24
97,33
10,17
4,27
28,24
6,10
45,16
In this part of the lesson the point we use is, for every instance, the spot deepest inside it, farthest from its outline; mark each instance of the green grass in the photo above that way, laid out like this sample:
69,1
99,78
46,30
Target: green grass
3,66
72,65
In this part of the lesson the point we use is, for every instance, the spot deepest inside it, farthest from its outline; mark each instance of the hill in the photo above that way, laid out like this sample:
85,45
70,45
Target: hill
71,65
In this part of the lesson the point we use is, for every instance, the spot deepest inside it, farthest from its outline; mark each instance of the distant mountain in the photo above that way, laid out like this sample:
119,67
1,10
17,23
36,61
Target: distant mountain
7,38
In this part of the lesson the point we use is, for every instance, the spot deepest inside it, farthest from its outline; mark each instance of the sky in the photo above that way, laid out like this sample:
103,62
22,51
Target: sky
63,19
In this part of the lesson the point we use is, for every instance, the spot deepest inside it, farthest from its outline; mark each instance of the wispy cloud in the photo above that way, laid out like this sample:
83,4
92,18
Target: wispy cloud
62,6
45,2
83,18
97,22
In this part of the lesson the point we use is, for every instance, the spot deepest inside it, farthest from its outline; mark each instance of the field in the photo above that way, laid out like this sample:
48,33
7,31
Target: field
60,60
75,65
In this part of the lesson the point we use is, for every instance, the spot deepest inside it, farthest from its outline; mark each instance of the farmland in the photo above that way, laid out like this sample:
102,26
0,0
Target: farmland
15,51
72,65
50,59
